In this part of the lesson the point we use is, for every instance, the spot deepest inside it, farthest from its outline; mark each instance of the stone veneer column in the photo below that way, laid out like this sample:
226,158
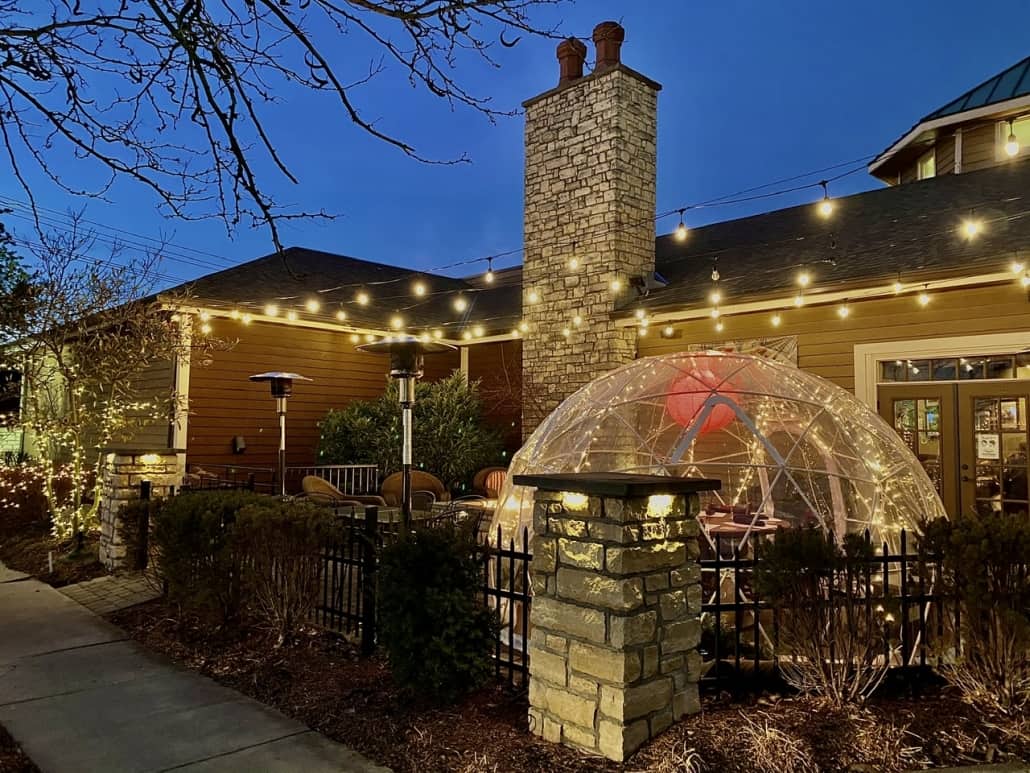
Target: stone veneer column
615,619
124,470
590,179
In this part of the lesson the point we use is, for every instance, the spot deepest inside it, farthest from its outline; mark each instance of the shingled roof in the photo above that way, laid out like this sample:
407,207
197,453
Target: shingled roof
298,273
913,230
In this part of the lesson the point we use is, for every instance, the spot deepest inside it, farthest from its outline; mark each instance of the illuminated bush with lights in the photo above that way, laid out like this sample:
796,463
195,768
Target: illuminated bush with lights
790,448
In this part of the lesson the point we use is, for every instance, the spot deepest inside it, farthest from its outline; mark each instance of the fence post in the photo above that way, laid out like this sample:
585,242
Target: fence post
143,538
368,580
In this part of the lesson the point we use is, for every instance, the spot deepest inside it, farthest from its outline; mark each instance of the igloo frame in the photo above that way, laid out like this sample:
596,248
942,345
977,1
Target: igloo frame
791,449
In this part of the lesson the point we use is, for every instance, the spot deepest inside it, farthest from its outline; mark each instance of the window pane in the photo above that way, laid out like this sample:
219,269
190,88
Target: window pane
904,414
919,370
999,367
986,418
945,370
970,369
1023,366
927,166
892,371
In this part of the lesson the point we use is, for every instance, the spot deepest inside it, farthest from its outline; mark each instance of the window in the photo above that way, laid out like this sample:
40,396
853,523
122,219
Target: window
1021,128
10,396
926,166
968,368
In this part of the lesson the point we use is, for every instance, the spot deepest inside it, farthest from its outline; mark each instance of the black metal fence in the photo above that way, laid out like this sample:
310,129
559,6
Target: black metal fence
347,604
901,590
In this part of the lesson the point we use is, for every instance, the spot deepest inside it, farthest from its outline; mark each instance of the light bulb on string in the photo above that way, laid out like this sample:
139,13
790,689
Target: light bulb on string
341,315
924,298
354,338
437,333
574,259
488,277
419,288
642,331
799,300
715,296
206,328
533,296
668,331
639,313
478,331
577,320
1025,280
362,298
460,304
246,318
1012,144
396,321
804,279
312,305
566,332
776,320
515,333
524,326
843,311
271,310
826,205
681,229
235,313
616,285
1017,267
898,286
719,326
971,227
715,313
291,315
467,335
205,316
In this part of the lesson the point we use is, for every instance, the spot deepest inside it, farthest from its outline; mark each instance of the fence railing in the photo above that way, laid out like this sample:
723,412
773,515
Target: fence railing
347,604
348,478
203,477
902,592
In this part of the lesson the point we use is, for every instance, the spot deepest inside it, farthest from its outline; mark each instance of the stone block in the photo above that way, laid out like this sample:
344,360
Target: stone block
633,629
660,721
673,605
544,554
599,590
645,557
604,663
617,742
562,704
580,736
688,574
613,532
686,702
547,666
656,582
585,555
582,685
570,619
551,730
556,643
628,703
568,527
650,662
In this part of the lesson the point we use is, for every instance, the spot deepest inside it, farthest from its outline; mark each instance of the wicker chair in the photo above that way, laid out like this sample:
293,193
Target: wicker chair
489,480
420,481
320,490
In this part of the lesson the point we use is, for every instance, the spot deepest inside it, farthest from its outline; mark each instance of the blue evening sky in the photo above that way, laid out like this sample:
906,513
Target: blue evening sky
753,91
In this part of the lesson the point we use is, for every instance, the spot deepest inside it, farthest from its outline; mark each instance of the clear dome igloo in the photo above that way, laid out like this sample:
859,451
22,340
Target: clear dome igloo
790,448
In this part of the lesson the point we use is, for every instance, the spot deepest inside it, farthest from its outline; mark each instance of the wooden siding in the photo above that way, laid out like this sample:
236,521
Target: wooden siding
826,342
944,155
154,385
223,403
498,368
978,150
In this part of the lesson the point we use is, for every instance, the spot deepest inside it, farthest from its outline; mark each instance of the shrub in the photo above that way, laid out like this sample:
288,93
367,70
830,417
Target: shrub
436,631
452,440
199,559
987,567
284,545
830,647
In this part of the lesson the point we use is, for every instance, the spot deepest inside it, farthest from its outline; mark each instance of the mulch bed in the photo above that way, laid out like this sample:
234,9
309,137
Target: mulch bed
26,542
320,679
12,758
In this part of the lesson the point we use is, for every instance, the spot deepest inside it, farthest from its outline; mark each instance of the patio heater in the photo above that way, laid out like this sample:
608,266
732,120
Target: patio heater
406,352
282,387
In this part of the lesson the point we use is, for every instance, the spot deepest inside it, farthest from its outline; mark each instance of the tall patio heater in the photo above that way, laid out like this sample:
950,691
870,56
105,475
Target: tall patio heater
406,352
282,387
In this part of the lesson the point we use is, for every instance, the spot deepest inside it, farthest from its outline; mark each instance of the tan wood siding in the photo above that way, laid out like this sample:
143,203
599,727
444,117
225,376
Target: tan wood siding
826,342
498,368
978,147
438,366
909,174
154,386
944,155
223,403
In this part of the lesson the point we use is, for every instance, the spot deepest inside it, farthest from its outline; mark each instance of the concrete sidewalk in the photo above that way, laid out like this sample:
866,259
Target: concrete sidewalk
79,696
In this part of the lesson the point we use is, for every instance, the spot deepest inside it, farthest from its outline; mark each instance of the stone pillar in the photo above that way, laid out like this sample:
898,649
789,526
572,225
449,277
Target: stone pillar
615,619
124,470
589,198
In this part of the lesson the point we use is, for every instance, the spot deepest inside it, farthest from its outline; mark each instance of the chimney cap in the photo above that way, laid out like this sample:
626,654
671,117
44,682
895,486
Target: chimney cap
572,52
609,30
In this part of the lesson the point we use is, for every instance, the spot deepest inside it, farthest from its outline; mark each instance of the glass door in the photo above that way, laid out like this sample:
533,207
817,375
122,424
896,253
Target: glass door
924,416
993,453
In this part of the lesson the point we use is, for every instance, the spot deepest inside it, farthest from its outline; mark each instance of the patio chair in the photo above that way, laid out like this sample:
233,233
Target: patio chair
489,480
420,481
320,490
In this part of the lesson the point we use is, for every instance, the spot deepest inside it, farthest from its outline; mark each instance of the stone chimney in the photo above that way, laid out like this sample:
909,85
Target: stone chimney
589,218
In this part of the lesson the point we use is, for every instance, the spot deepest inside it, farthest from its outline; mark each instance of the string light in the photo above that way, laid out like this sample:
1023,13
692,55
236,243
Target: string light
1012,144
971,227
577,320
312,305
354,338
776,320
1025,280
369,337
524,326
668,331
362,298
396,321
826,205
533,296
467,335
1017,267
843,311
341,315
460,304
799,300
645,322
804,279
642,331
478,331
898,286
437,333
205,316
291,315
616,285
515,333
640,313
719,326
574,260
924,298
235,313
247,319
419,288
271,310
488,277
681,229
715,313
566,332
424,338
206,328
715,296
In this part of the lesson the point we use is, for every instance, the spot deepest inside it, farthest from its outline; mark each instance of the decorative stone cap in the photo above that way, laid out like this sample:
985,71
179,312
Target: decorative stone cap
608,37
617,484
571,55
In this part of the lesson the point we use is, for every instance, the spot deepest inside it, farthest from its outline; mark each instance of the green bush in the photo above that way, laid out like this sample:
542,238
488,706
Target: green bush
987,568
284,544
198,557
829,645
451,438
432,622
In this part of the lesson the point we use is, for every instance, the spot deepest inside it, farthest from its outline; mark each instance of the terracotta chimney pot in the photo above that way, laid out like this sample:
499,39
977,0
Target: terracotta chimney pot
571,55
608,37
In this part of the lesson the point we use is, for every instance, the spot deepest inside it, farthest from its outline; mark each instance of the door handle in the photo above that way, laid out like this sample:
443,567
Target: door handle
965,466
966,479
